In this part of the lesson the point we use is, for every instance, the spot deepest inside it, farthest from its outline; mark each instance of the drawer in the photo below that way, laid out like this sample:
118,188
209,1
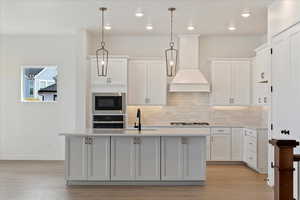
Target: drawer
221,130
251,133
252,159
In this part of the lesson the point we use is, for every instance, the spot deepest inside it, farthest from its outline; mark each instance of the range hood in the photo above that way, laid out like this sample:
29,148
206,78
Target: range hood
189,78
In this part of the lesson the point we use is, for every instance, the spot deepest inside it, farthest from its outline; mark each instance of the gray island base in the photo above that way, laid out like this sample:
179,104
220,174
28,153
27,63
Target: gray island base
165,156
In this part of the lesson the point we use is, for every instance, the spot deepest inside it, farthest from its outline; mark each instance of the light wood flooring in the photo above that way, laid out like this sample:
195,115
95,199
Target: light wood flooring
44,180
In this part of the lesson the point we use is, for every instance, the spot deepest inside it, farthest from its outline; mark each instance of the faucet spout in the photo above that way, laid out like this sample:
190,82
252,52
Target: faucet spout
138,123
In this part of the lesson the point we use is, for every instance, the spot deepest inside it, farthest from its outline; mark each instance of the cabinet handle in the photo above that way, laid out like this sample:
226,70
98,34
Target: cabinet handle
262,75
134,140
108,80
184,140
86,140
259,100
91,140
265,99
232,100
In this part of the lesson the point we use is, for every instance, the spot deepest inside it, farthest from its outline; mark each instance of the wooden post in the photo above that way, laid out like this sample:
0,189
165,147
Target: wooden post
283,168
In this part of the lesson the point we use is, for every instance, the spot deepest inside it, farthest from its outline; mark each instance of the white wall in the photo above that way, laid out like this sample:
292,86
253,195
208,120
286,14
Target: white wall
132,45
282,14
30,130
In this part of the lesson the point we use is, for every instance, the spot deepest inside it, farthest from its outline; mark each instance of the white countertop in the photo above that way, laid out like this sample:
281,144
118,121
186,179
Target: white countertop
186,132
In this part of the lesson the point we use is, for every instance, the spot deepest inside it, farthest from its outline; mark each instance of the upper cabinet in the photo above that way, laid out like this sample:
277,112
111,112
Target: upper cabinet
116,75
147,84
261,76
230,82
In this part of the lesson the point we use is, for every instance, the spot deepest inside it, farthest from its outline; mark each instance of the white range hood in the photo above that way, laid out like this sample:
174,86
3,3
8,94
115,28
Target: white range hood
189,78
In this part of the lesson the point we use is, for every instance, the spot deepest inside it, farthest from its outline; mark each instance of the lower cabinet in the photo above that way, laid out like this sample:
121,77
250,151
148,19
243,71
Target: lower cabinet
182,158
135,158
220,145
87,158
237,144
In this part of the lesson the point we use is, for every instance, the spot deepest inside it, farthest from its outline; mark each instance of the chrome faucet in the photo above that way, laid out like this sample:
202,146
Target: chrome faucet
137,123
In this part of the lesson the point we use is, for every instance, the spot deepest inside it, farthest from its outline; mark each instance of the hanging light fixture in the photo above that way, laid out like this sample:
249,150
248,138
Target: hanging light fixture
171,53
102,52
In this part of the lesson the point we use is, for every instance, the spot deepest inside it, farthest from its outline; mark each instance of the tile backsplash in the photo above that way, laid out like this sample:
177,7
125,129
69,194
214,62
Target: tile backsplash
195,107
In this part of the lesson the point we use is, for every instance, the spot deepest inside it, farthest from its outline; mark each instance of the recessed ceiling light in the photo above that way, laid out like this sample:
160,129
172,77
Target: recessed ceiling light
232,28
191,28
107,27
246,13
139,13
149,27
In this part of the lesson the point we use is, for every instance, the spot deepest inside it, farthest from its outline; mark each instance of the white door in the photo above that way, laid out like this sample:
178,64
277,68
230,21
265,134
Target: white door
281,78
172,158
194,154
99,158
137,79
220,147
122,158
157,83
221,83
117,72
240,87
76,158
237,144
147,153
293,100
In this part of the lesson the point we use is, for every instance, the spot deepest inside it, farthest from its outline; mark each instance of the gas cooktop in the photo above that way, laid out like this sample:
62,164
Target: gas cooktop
196,124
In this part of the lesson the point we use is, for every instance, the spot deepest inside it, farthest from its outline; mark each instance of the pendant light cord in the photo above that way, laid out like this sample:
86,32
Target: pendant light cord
101,31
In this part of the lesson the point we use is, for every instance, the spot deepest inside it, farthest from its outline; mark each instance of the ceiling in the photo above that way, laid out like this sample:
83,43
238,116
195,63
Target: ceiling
68,16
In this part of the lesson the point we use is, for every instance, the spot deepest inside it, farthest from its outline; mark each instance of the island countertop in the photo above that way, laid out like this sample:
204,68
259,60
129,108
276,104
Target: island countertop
185,132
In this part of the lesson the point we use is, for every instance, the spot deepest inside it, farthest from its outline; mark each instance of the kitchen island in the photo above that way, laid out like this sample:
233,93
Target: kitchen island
164,156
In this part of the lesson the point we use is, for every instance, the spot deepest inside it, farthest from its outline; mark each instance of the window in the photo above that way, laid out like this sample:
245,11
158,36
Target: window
39,83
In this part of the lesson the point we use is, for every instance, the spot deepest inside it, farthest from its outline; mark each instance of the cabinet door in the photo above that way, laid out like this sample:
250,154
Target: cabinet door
147,153
117,72
172,158
240,86
138,80
95,79
157,83
76,158
237,144
99,159
221,83
194,153
122,158
220,147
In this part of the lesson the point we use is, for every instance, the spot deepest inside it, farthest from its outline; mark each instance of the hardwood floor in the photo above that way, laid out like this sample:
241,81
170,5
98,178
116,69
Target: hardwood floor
44,180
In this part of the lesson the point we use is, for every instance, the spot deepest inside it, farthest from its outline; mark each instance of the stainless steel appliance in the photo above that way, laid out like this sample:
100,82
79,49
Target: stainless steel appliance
189,124
108,121
109,103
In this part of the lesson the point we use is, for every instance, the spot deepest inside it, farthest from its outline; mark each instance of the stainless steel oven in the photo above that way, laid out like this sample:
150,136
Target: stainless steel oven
109,103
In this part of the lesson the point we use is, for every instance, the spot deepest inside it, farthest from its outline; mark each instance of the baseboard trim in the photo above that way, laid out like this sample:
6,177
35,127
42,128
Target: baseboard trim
225,163
139,183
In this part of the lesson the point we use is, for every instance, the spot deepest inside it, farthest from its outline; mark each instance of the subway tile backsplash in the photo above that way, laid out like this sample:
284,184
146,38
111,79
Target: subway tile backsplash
195,107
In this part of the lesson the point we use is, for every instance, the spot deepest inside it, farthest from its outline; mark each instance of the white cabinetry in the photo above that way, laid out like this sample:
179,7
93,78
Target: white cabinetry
261,75
237,144
87,158
147,82
116,75
135,158
220,144
182,158
230,82
255,149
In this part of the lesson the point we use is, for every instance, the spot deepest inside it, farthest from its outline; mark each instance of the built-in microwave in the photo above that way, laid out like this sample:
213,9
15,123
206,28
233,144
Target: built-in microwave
109,103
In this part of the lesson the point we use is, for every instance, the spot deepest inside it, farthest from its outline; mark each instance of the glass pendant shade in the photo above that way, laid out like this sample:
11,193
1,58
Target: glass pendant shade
171,61
171,53
102,52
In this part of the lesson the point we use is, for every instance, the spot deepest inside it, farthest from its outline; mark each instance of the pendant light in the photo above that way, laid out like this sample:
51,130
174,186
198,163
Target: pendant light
171,53
102,52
